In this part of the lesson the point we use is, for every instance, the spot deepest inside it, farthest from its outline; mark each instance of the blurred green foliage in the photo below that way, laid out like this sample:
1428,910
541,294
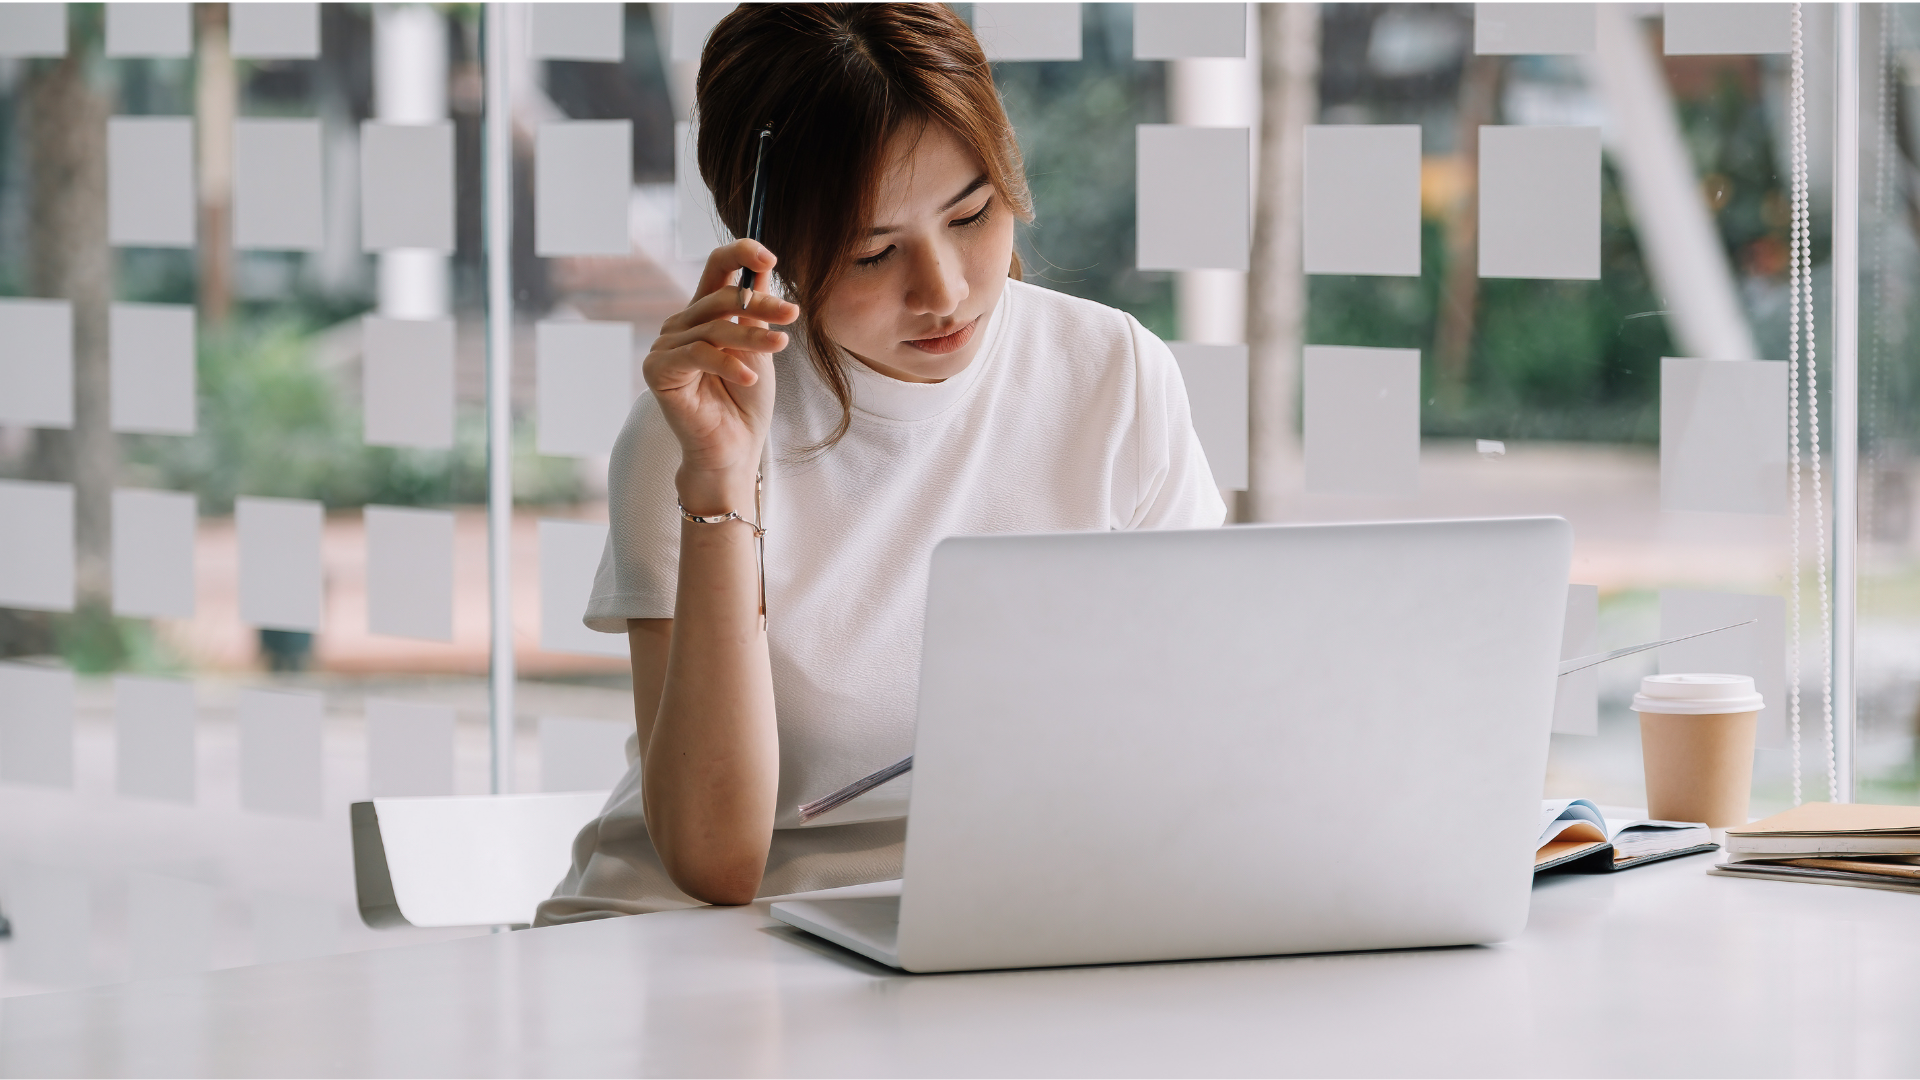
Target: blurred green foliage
1075,121
1727,133
94,641
1549,359
274,423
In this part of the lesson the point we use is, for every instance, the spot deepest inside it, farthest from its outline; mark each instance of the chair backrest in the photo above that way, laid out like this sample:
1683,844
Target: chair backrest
464,860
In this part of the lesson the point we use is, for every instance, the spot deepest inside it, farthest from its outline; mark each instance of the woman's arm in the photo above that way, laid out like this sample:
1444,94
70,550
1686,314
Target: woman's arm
711,763
647,643
703,685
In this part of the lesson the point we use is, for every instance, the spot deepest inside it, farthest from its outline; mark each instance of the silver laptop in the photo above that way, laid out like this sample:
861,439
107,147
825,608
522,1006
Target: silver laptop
1226,742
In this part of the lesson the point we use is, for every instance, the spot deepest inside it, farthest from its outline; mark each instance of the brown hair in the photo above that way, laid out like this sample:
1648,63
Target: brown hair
838,81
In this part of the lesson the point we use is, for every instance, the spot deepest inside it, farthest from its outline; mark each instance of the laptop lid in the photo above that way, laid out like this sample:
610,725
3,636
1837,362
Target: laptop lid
1230,742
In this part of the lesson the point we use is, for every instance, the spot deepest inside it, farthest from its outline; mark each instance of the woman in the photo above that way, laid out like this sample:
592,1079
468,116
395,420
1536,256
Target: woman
925,392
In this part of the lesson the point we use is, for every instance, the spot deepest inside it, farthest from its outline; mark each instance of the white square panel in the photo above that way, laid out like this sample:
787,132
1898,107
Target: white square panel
169,926
409,748
406,185
1719,29
36,725
582,755
410,572
578,32
1216,378
154,736
151,349
280,752
36,545
279,562
696,223
583,373
569,555
1534,29
1361,420
407,382
1758,650
1193,198
51,909
1723,435
1361,190
277,31
149,29
1576,699
1183,31
689,26
1540,202
277,203
33,29
292,927
36,362
153,571
1028,31
582,179
150,197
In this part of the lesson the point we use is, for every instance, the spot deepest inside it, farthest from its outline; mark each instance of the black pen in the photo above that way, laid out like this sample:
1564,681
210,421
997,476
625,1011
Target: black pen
756,212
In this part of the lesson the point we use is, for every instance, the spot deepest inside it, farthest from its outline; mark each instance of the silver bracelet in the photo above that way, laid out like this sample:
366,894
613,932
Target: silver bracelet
722,520
759,538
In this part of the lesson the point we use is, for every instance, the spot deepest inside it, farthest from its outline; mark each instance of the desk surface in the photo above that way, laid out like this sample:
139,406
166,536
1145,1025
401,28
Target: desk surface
1658,970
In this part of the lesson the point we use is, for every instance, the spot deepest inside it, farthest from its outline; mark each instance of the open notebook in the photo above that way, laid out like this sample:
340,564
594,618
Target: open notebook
1577,830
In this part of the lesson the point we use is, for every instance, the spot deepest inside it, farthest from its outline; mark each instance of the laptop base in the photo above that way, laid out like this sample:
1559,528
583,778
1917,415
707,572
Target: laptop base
868,925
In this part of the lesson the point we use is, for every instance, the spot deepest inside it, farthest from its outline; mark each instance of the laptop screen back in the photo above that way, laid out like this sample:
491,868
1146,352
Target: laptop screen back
1230,742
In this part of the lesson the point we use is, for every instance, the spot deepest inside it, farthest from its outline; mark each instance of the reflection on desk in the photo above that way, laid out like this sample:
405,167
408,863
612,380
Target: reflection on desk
1663,970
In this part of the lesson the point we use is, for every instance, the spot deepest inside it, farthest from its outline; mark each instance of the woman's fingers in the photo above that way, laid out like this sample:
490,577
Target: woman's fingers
674,368
727,335
724,303
725,259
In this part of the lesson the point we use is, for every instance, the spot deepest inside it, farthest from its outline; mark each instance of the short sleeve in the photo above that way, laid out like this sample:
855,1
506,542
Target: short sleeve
1174,485
640,567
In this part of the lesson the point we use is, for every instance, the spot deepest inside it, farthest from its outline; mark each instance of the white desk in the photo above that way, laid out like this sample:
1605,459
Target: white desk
1659,970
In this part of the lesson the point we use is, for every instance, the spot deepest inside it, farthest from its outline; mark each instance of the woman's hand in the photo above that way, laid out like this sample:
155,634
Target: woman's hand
711,369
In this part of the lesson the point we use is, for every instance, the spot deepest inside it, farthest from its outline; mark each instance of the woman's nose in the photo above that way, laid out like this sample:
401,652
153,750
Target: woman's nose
938,283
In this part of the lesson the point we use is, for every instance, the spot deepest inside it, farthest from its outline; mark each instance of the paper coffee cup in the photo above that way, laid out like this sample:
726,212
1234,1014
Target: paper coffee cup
1696,740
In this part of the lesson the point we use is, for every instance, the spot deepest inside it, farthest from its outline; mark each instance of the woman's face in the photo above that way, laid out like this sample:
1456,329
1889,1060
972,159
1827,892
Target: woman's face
915,300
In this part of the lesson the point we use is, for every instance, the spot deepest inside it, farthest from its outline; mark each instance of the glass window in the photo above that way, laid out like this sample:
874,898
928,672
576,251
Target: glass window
244,446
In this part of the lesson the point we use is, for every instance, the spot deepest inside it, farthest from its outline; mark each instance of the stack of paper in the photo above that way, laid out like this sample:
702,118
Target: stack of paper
1868,847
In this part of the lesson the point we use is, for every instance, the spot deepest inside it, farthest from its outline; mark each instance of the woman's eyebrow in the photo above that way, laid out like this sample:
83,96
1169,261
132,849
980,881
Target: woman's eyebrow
978,183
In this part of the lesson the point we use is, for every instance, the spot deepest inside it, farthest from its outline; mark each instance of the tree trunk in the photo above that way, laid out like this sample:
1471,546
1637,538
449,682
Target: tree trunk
1460,289
1276,284
214,106
66,120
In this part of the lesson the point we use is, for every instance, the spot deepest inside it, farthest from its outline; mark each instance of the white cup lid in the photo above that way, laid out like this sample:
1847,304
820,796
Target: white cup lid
1697,694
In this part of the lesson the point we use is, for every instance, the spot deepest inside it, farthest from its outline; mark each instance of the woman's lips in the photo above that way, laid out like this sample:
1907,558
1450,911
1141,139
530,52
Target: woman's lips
950,343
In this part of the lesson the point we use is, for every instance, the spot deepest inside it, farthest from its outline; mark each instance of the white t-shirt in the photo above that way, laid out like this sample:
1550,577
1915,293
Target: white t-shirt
1071,417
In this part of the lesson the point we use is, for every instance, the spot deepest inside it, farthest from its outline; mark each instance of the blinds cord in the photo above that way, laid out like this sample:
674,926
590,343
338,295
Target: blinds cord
1799,322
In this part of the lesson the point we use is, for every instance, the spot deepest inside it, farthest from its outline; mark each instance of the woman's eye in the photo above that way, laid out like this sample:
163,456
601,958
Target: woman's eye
976,218
874,260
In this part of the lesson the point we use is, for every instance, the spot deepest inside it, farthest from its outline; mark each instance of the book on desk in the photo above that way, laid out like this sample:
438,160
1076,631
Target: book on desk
1861,846
1575,832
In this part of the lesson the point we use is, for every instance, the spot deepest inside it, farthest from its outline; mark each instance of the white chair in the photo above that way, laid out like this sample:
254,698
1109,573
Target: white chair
464,860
